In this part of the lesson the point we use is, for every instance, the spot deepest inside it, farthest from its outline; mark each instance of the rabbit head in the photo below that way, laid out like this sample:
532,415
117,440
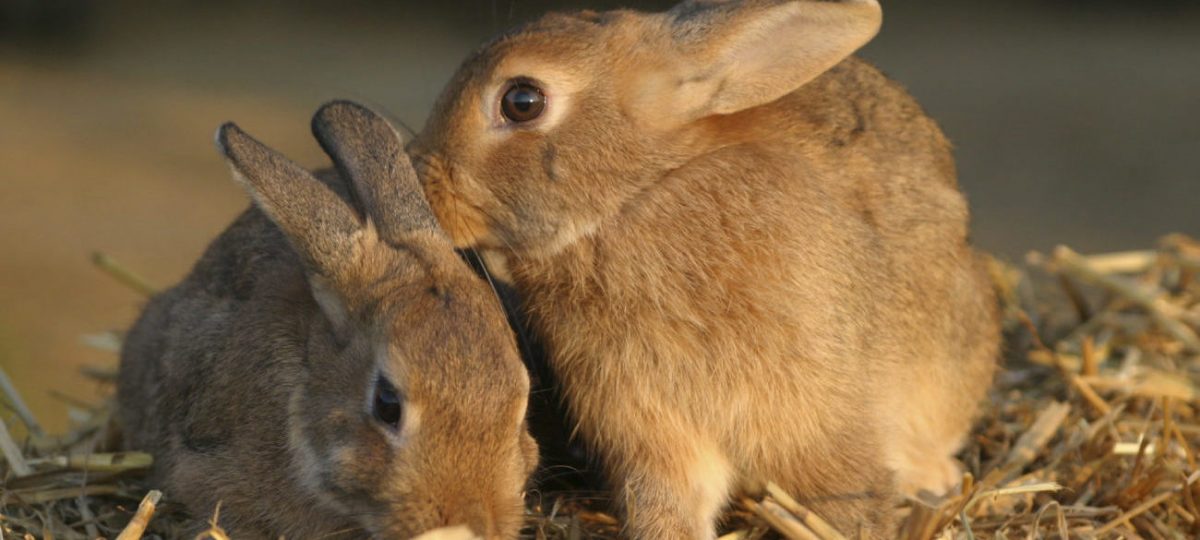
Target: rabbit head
411,414
550,129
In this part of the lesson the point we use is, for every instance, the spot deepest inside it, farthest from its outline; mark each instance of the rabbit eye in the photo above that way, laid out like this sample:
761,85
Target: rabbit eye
387,407
523,102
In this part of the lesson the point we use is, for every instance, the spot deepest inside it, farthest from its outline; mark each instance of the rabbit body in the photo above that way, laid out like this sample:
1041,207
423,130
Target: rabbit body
823,325
206,378
254,381
744,250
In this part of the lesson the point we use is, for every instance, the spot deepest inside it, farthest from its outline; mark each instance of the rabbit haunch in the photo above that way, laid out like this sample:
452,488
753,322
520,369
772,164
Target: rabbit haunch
331,370
745,251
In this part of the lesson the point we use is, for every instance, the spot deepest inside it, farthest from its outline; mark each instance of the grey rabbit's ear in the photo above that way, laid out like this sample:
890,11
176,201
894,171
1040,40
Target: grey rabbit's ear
320,226
369,152
317,222
741,54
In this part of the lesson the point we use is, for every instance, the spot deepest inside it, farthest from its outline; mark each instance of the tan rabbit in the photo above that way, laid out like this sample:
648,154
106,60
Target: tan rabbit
745,251
331,372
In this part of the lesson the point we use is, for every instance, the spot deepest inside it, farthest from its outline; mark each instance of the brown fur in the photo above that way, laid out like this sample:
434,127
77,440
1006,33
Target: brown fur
252,381
746,253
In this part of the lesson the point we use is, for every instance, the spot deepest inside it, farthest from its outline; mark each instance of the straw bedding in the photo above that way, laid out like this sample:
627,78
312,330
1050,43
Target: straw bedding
1092,430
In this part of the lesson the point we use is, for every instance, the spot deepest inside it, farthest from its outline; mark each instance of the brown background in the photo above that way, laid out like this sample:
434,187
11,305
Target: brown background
1076,122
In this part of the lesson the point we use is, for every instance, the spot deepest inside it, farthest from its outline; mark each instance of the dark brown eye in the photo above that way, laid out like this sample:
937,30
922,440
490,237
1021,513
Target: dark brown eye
387,408
523,102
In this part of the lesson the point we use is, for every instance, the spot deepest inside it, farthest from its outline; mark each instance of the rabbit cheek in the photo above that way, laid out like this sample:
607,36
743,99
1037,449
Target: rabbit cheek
532,204
318,475
371,481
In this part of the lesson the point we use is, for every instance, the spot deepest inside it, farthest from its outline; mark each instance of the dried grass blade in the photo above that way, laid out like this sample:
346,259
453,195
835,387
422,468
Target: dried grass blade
1034,440
1124,262
1150,300
780,520
1089,394
34,496
123,275
18,404
141,519
113,462
12,452
1124,519
819,526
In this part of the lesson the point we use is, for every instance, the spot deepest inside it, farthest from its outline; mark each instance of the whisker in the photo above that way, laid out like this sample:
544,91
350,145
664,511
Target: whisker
487,274
514,309
495,225
346,531
411,132
513,312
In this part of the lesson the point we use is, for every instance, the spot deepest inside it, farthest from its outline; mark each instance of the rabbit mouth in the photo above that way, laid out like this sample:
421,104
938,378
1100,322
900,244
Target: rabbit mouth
465,222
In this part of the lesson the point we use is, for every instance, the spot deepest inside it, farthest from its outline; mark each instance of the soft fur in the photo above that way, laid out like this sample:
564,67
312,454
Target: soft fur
252,381
745,251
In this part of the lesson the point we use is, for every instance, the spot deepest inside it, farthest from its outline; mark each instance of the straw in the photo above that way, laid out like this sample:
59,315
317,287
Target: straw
1091,430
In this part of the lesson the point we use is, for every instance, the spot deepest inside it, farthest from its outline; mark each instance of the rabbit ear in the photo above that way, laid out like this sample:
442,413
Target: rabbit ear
321,227
741,54
369,152
317,222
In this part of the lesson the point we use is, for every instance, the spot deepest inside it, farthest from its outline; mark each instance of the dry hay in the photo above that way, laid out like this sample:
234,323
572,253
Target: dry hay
1092,432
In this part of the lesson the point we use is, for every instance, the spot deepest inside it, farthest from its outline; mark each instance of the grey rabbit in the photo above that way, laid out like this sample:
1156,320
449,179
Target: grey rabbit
331,367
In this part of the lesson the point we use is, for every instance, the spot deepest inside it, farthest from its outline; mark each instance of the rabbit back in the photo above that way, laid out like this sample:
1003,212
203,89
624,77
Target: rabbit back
204,381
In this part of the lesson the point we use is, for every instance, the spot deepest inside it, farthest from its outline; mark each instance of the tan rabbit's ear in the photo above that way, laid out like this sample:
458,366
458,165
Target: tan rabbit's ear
321,226
368,151
741,54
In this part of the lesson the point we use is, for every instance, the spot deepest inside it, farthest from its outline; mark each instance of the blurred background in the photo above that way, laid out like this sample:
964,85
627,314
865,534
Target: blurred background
1075,121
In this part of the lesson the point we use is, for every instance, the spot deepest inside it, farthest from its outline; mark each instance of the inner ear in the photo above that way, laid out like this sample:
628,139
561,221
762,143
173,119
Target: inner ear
332,304
738,55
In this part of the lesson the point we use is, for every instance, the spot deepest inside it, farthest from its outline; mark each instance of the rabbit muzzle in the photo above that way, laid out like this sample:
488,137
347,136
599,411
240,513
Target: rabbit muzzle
458,213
